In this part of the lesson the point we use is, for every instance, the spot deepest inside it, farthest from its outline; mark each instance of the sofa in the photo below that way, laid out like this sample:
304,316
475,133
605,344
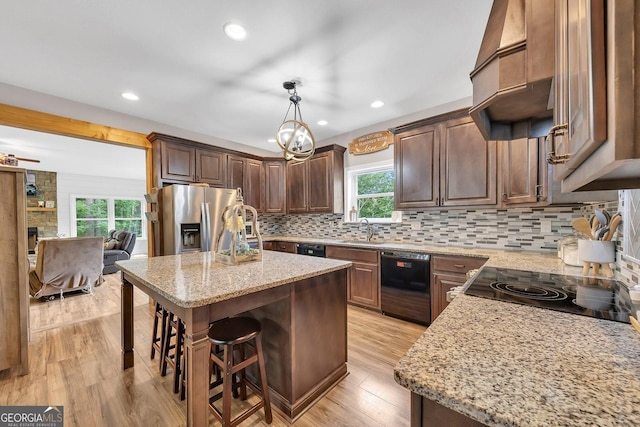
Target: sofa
64,265
118,246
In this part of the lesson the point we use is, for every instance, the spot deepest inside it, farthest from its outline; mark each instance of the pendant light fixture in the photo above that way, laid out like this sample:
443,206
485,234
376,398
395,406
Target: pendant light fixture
294,136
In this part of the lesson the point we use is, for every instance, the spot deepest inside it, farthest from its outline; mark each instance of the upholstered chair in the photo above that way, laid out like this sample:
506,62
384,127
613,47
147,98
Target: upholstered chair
119,245
65,265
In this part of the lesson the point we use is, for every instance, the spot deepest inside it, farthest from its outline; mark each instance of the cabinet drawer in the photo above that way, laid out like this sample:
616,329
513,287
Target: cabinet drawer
284,247
355,255
456,264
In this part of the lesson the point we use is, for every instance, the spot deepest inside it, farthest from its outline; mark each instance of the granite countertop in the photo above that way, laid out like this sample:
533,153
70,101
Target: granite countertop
546,262
194,279
507,364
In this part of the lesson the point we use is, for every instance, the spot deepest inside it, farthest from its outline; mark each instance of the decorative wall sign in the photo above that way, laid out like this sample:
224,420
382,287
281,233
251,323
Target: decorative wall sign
371,142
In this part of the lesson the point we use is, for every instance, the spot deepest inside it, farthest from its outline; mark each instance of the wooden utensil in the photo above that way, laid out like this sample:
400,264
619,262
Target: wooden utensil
613,225
582,225
606,268
635,323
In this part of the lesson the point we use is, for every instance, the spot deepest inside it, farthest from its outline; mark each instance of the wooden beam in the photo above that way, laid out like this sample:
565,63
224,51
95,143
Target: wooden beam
50,123
44,122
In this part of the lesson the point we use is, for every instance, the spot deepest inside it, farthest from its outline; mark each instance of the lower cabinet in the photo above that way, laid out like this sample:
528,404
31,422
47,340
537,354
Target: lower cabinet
427,412
448,272
280,246
363,284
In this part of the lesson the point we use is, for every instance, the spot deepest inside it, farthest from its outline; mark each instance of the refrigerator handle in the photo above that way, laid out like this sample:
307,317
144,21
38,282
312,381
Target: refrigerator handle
204,225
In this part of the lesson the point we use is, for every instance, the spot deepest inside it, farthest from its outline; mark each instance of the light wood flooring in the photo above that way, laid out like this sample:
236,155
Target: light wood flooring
75,362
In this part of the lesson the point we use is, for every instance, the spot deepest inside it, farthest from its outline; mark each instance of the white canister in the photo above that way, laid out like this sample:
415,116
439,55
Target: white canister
600,251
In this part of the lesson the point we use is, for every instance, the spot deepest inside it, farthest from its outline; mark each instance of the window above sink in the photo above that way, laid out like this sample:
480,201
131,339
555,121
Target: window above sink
370,193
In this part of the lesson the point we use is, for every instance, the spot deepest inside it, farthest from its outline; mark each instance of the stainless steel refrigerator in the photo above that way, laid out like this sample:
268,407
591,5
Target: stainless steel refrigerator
191,217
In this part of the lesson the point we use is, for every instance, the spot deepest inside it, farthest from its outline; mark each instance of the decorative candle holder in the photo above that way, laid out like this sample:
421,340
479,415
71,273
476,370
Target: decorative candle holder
232,245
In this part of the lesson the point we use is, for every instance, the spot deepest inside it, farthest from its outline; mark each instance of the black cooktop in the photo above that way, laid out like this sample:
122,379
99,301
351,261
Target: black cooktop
587,296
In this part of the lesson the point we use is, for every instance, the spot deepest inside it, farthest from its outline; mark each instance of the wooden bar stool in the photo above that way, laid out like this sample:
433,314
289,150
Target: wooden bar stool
228,335
157,339
173,350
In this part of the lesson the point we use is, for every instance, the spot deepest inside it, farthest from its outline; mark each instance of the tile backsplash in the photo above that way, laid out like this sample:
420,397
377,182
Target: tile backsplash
529,229
534,229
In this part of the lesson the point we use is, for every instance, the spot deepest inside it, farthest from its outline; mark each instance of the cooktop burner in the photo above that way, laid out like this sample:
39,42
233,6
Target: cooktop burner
588,296
529,291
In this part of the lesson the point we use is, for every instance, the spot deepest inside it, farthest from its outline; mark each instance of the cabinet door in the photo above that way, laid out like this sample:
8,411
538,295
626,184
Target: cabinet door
580,91
320,179
236,172
520,171
211,167
275,186
178,162
254,184
416,168
363,285
468,165
441,283
296,187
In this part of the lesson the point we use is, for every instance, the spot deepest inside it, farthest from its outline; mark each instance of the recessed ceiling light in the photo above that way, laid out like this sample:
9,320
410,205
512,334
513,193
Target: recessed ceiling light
377,104
271,140
322,122
235,31
130,96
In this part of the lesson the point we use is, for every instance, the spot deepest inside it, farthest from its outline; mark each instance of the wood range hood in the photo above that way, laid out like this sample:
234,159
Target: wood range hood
512,79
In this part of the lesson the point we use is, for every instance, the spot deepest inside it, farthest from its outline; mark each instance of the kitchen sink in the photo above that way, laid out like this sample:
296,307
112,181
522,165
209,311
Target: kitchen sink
361,242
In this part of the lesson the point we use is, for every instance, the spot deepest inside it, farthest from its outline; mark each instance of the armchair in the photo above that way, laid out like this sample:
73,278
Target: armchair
118,246
65,265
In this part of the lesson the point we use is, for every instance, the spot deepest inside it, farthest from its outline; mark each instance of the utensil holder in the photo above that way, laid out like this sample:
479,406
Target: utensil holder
596,252
599,251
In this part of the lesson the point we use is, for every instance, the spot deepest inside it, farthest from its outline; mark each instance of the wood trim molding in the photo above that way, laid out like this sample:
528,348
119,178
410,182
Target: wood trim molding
50,123
45,122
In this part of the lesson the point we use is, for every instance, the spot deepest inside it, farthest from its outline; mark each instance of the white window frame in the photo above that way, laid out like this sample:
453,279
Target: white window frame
351,197
111,219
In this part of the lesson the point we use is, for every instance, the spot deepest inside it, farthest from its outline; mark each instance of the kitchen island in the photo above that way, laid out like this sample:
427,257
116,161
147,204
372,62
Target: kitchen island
506,364
300,301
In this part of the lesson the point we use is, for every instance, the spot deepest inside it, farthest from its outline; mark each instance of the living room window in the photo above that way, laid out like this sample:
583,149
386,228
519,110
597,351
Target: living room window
95,216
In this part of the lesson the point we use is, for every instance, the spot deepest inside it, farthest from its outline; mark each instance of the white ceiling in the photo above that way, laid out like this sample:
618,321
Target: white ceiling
412,54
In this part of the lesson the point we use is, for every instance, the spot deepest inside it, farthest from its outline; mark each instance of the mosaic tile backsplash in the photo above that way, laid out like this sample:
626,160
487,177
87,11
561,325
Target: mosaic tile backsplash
530,229
535,229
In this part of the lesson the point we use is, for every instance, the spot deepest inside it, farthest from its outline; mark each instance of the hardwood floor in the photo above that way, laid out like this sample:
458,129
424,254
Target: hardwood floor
75,362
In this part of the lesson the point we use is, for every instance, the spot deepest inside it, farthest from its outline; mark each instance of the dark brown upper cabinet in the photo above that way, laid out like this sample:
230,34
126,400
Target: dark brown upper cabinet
247,174
178,161
444,161
275,178
316,185
526,179
211,167
580,84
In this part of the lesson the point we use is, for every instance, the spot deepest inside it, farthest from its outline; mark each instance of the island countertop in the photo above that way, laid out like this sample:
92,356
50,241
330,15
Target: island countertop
195,279
507,364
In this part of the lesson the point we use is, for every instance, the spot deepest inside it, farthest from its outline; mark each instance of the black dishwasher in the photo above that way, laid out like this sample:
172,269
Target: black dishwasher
405,286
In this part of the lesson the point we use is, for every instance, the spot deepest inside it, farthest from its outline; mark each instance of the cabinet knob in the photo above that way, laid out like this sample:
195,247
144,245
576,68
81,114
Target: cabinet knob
458,265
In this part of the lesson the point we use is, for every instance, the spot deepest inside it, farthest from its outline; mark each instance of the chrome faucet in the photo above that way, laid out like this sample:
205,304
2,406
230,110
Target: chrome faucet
369,228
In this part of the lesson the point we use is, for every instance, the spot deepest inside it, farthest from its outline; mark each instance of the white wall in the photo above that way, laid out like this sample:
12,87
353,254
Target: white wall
71,184
365,159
